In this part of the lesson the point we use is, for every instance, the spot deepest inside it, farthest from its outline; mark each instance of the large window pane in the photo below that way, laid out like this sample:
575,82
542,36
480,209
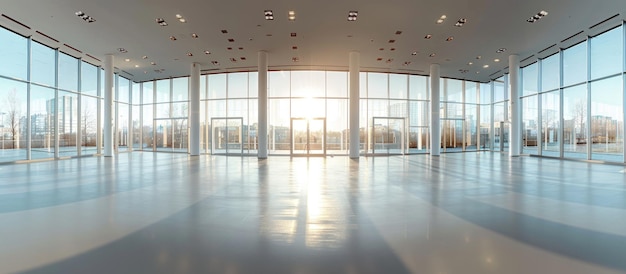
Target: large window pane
454,91
607,51
42,122
13,107
123,89
575,64
122,137
377,85
418,87
485,93
278,84
550,124
529,79
14,54
336,84
136,94
471,134
68,123
471,92
89,124
180,90
253,84
136,126
498,90
89,79
550,73
43,65
398,86
279,126
308,84
238,85
575,122
607,124
163,91
337,126
148,92
147,126
68,72
530,124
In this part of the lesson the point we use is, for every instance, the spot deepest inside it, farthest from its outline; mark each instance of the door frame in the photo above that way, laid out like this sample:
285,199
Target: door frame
228,150
308,134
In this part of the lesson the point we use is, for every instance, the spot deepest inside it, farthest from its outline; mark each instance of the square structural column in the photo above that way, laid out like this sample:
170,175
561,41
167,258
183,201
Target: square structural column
353,86
194,110
262,81
435,122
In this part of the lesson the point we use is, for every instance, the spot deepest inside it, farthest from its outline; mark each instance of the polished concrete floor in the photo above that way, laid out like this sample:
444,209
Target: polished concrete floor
170,213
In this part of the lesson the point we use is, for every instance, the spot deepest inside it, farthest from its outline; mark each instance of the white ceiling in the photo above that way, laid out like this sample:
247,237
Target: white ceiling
324,35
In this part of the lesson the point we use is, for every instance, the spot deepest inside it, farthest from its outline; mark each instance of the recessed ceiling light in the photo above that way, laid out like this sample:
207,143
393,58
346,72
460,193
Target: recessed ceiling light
193,35
379,59
432,55
295,59
470,63
392,41
450,38
182,20
293,34
173,38
136,66
233,60
144,57
414,53
122,50
294,47
352,15
478,57
389,60
428,36
127,60
85,17
231,40
460,22
215,63
161,22
485,66
443,17
439,21
268,35
496,60
537,16
269,15
178,16
224,31
501,50
242,58
189,54
406,63
240,48
381,48
229,48
398,32
79,13
207,52
153,63
291,15
392,49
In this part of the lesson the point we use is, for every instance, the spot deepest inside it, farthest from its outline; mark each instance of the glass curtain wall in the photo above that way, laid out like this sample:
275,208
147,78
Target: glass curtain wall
51,111
581,114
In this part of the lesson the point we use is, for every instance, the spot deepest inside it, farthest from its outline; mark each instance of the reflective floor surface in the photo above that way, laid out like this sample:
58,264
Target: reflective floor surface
171,213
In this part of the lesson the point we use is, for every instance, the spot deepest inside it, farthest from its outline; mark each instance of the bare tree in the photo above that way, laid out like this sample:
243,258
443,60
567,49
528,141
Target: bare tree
13,116
579,112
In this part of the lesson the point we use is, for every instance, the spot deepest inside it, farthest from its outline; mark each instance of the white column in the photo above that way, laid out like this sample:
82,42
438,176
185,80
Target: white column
262,81
108,105
435,123
353,86
515,133
194,110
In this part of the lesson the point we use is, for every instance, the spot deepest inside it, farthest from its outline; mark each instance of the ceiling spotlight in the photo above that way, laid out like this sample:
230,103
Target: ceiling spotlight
182,20
193,35
207,52
432,55
293,34
122,50
478,57
470,63
439,21
189,54
153,63
501,50
291,15
450,38
144,57
85,17
234,60
352,15
428,36
215,63
389,61
460,23
269,15
79,13
406,63
173,38
295,59
161,22
127,60
496,60
136,66
537,16
414,53
485,66
179,16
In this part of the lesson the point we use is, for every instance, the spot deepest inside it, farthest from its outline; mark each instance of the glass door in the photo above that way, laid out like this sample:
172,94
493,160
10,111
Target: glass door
389,136
227,138
452,134
308,137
